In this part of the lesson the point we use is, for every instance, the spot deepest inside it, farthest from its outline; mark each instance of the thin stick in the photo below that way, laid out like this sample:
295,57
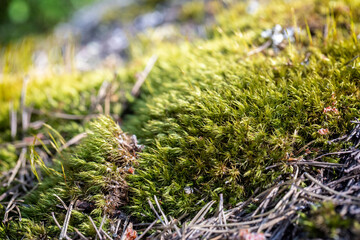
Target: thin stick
102,93
260,49
353,132
101,224
80,234
169,226
22,144
13,120
107,101
176,227
66,221
73,141
352,169
8,210
310,163
64,115
166,229
161,211
223,230
94,226
156,213
200,213
333,153
342,179
58,225
222,218
12,201
276,220
56,222
25,117
9,192
317,164
19,212
329,189
200,216
17,167
304,147
267,200
117,226
325,197
106,235
62,202
239,224
146,230
351,60
184,229
136,89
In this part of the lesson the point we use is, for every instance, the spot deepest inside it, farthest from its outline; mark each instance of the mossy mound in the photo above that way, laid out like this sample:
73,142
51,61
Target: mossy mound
215,114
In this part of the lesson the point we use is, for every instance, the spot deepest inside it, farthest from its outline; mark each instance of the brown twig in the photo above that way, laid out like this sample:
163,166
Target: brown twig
73,141
13,120
331,190
146,230
66,221
24,111
25,143
64,115
96,229
62,202
80,234
156,213
58,225
17,166
263,47
143,75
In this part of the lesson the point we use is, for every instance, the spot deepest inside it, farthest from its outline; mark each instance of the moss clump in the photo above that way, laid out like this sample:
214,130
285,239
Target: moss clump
213,117
324,222
94,176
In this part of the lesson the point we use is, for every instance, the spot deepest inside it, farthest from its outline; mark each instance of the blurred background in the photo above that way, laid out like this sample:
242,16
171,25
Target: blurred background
102,29
22,17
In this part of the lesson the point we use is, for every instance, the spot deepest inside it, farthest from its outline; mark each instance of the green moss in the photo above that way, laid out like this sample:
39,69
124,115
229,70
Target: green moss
94,175
213,118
